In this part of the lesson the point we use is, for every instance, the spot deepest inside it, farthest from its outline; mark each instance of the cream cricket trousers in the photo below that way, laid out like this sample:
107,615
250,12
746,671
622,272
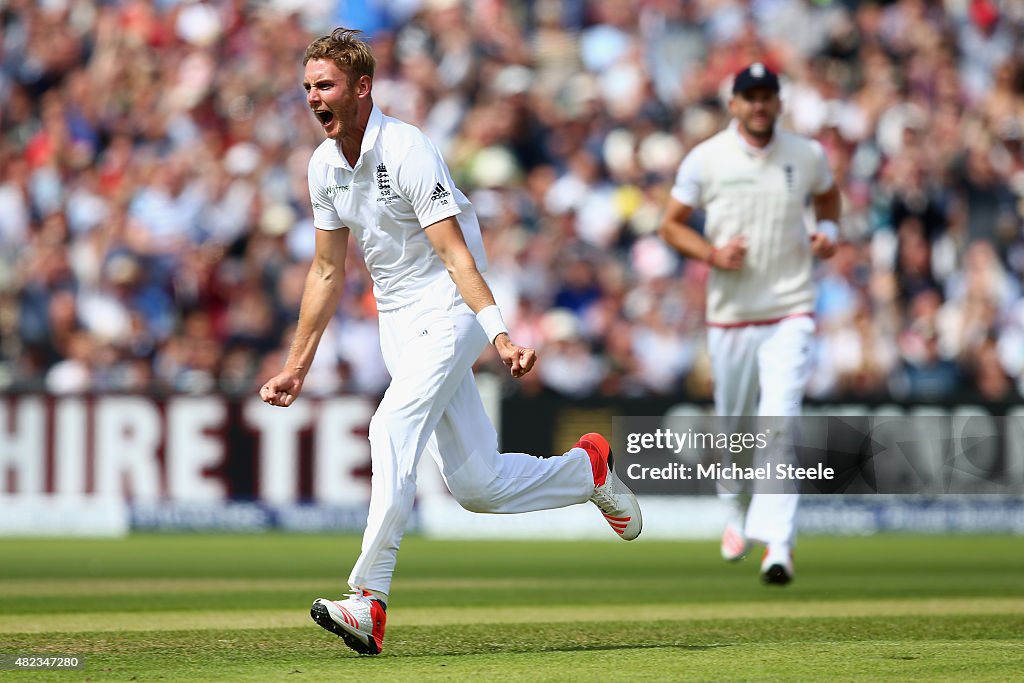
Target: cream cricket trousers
433,404
761,371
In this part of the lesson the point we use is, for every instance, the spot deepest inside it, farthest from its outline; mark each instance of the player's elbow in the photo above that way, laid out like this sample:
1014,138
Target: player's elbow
674,222
325,276
459,264
671,233
322,272
665,232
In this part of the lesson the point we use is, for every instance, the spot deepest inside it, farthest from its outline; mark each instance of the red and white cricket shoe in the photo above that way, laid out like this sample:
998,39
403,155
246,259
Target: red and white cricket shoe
358,620
734,544
616,502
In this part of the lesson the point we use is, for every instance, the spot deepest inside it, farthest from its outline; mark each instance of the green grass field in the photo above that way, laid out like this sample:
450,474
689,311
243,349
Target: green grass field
203,607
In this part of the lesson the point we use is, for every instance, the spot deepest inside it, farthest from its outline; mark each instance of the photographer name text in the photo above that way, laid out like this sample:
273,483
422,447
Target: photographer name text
719,472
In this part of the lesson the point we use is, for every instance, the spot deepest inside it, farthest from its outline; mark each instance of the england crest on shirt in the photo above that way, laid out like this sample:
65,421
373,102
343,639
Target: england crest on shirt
384,192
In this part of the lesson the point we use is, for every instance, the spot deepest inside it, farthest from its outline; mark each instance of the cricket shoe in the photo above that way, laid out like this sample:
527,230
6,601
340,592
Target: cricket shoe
358,620
616,502
734,544
777,567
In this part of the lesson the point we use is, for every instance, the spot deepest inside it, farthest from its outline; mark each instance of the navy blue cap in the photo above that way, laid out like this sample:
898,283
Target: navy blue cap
757,75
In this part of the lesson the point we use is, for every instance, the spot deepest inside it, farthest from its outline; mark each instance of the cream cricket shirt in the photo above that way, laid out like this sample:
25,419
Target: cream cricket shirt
399,185
761,194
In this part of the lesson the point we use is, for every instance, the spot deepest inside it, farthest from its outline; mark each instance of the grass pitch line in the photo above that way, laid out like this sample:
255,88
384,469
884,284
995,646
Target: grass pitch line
427,616
128,586
131,586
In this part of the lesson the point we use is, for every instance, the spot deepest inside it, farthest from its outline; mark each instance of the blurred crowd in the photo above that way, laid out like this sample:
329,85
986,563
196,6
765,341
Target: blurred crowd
155,227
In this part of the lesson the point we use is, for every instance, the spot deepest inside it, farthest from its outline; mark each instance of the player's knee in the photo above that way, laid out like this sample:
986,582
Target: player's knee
474,501
474,497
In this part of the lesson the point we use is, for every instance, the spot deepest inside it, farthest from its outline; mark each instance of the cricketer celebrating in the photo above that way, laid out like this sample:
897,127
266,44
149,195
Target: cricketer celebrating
385,182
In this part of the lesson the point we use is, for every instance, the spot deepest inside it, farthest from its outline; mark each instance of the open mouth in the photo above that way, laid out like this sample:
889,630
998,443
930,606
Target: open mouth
325,116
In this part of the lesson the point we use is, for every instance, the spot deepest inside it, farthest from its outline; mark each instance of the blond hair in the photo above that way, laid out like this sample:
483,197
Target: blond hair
347,50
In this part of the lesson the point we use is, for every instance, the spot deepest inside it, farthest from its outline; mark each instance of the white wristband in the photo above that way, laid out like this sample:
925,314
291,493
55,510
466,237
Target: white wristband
829,229
490,319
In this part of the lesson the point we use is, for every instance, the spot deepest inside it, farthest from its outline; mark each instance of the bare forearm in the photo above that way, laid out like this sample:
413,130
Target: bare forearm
471,284
319,301
827,205
686,240
446,238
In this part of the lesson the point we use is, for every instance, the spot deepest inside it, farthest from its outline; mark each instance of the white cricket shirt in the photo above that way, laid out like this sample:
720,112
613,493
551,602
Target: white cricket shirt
400,185
761,194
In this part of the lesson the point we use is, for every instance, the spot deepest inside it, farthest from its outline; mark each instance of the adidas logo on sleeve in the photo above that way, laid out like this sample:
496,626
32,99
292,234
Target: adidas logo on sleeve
439,193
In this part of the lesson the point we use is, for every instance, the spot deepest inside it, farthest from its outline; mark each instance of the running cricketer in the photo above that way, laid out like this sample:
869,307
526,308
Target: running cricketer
753,182
383,182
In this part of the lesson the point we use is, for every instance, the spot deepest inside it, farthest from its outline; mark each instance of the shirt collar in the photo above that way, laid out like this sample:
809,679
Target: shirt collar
372,131
734,126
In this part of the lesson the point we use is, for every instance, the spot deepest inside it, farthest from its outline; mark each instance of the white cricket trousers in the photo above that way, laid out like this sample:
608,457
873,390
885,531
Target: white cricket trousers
761,370
432,403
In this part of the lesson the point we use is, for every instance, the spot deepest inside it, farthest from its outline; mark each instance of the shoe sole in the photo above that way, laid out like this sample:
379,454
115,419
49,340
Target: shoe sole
323,619
776,575
636,506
